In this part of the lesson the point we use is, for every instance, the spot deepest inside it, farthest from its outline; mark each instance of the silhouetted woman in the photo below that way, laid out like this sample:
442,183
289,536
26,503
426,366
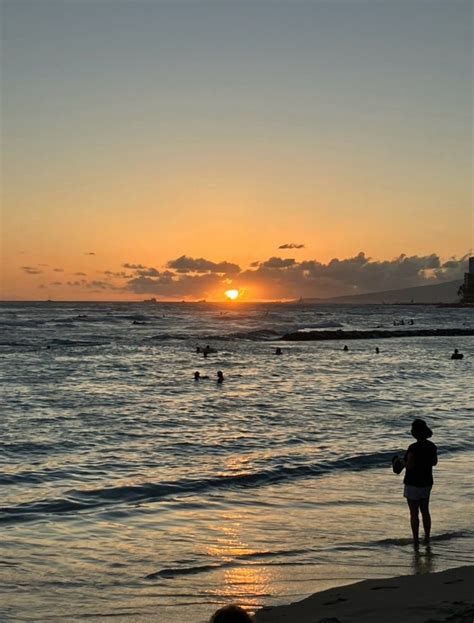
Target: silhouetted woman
420,458
231,614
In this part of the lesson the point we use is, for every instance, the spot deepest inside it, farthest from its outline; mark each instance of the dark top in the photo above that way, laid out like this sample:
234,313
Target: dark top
424,454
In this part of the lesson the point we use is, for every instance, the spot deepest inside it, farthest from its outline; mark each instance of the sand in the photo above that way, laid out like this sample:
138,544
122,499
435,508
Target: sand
447,596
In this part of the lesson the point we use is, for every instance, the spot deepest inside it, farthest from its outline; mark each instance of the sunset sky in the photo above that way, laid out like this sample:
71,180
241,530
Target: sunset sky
171,149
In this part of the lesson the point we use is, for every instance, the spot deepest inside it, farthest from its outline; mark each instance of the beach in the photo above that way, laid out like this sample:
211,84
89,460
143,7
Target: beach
429,598
129,490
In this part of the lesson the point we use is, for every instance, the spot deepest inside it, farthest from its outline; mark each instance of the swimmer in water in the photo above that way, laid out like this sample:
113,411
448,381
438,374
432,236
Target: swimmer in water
457,354
278,351
220,377
198,377
377,350
346,348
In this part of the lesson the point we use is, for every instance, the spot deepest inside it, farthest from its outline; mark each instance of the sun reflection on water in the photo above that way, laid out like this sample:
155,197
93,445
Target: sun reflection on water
244,583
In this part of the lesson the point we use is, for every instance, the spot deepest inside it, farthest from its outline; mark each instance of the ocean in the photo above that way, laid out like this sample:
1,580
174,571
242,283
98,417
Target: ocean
131,492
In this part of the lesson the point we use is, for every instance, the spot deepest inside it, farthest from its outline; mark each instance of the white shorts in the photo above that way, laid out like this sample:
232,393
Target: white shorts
416,493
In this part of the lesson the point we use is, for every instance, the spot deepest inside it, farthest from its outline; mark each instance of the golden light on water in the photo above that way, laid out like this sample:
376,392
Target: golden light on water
232,295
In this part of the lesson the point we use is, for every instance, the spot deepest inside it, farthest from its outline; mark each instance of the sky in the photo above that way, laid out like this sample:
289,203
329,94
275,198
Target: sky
282,148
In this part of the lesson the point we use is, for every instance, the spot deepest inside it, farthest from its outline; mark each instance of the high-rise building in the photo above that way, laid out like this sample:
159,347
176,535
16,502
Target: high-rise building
468,287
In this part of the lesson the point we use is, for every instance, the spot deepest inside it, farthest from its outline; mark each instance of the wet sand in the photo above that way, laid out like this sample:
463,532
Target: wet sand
447,596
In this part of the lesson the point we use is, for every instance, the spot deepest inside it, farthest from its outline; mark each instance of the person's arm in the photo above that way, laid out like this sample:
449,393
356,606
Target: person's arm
409,461
435,456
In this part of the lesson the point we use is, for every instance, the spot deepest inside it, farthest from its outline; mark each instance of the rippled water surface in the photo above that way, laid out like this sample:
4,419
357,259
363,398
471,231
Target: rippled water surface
130,491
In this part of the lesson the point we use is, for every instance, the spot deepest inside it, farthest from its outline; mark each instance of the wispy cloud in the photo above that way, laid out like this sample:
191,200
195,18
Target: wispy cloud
90,253
31,270
133,266
291,245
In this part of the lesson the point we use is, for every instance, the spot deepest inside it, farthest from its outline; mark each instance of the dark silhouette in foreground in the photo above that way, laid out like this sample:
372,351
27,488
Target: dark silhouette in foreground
457,354
420,458
231,614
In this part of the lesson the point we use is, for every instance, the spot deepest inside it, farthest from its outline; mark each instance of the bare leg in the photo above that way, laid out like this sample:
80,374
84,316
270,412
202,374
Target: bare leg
414,520
425,515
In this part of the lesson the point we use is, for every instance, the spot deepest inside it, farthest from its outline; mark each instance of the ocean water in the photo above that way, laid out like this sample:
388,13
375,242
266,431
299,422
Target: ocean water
129,492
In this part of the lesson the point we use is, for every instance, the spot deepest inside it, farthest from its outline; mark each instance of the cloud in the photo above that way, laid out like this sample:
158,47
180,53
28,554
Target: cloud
275,277
31,270
278,262
291,245
100,285
58,270
119,274
76,284
185,264
169,284
133,266
90,253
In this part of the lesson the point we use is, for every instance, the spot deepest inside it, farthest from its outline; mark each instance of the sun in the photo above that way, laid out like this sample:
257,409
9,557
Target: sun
232,294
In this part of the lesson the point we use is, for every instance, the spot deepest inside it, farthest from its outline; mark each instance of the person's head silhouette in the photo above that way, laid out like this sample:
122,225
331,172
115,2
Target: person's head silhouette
230,614
420,430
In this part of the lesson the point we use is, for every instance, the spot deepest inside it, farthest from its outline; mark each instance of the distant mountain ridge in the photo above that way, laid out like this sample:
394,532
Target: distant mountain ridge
440,293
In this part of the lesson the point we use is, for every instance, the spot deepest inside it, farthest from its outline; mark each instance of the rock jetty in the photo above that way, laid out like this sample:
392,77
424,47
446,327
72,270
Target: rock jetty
373,334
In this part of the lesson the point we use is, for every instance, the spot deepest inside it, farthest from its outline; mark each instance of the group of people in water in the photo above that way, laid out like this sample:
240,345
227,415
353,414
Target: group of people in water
278,351
199,377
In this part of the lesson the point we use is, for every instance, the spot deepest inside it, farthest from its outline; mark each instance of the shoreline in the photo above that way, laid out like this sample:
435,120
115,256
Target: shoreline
445,596
374,334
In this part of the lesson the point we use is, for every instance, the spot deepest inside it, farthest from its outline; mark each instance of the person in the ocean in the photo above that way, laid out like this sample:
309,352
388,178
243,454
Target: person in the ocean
198,377
278,351
420,458
457,354
220,377
377,350
346,348
231,614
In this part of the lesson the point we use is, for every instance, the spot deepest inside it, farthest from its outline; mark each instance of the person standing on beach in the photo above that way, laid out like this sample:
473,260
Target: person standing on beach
420,458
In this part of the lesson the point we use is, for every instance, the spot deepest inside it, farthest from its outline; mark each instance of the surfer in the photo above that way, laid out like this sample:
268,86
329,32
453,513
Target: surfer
457,354
420,458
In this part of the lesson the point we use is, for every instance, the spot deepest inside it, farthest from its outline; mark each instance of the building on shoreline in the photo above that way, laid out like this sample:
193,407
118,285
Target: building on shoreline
468,285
